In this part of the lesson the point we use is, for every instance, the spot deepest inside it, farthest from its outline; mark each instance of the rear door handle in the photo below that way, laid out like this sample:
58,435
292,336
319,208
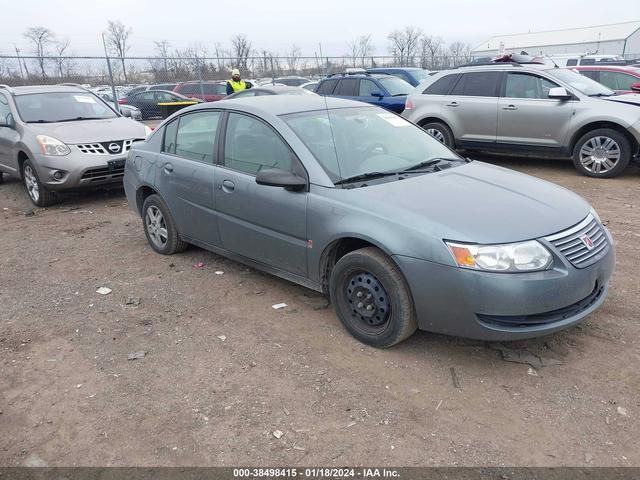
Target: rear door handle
510,107
228,186
452,104
168,168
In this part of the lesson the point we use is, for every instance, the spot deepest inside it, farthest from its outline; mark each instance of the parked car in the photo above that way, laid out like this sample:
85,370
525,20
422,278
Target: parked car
292,81
209,91
147,102
126,110
386,91
354,201
619,78
144,88
531,108
412,75
574,60
269,90
59,137
311,86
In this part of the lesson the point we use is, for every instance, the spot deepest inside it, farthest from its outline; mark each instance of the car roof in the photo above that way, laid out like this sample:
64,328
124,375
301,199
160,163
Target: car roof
393,69
275,105
615,68
276,88
29,89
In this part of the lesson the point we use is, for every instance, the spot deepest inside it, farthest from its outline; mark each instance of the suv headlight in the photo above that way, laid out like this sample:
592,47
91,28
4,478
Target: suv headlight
52,146
527,256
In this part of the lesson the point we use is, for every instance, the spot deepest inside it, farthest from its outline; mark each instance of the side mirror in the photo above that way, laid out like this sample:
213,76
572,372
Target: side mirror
559,93
7,121
275,177
125,112
635,87
377,93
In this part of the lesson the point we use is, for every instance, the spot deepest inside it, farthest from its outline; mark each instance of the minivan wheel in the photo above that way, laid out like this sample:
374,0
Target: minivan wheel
372,298
440,132
38,193
160,228
602,153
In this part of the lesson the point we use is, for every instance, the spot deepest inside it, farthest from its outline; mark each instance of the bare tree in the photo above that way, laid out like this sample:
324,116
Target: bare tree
354,50
397,46
459,51
366,48
241,49
220,54
117,37
430,50
162,49
41,39
293,58
412,35
62,49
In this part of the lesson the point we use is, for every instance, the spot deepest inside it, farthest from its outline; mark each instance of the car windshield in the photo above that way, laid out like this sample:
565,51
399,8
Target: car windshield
395,85
580,82
349,142
61,107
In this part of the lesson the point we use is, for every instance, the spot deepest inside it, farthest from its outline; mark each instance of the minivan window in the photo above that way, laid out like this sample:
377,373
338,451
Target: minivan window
61,107
442,85
477,84
250,146
196,136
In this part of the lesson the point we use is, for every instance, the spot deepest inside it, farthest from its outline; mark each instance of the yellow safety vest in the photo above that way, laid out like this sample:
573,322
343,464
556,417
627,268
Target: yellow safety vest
238,86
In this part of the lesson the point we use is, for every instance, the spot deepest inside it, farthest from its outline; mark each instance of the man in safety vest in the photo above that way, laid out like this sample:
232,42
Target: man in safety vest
236,84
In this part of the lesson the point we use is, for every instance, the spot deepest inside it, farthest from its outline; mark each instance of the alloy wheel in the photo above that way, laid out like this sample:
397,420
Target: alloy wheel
31,182
600,154
437,134
156,227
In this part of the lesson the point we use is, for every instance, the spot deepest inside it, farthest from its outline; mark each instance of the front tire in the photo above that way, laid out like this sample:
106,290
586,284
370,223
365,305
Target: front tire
160,228
372,298
38,193
440,132
602,153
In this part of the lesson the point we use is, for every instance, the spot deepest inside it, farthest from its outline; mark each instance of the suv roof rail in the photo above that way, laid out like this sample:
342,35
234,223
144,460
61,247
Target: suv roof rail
69,84
4,86
491,64
347,74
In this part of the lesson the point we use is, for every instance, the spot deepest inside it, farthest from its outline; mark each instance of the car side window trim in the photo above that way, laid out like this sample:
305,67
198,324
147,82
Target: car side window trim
216,140
297,166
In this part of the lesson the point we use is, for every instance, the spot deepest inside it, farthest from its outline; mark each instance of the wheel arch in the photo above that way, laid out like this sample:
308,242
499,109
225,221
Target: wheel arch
602,124
142,192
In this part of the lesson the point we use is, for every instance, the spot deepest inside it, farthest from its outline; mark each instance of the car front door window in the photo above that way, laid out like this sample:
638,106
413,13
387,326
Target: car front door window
617,80
367,87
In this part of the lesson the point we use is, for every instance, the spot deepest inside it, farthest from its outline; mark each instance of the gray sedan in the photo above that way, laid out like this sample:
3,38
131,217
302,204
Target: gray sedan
354,201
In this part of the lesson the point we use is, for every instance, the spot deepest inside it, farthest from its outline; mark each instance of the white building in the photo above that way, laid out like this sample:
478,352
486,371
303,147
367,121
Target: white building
613,39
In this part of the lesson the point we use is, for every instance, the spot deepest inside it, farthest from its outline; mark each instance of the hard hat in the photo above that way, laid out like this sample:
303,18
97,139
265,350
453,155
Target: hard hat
235,71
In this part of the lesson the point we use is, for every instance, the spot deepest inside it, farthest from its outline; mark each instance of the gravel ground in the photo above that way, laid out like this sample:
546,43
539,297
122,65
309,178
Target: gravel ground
222,371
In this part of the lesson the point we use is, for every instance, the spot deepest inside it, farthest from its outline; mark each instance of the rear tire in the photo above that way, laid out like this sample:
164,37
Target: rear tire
602,153
160,227
372,298
38,193
440,132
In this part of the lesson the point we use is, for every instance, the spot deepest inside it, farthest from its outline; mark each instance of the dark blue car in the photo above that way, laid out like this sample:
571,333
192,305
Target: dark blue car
386,91
410,75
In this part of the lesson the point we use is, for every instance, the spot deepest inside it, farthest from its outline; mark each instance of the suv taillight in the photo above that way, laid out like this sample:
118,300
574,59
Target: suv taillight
408,105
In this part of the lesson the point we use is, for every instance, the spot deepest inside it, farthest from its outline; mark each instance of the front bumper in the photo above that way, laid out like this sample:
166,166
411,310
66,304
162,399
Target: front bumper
499,306
79,170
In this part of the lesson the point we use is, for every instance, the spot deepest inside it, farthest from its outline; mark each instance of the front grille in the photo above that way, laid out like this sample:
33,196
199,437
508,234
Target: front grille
544,318
582,245
117,147
103,173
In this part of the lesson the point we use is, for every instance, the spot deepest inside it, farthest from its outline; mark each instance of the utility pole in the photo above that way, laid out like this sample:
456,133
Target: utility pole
113,87
19,61
324,71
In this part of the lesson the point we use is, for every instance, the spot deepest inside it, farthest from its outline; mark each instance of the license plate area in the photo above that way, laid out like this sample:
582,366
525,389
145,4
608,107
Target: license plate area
116,165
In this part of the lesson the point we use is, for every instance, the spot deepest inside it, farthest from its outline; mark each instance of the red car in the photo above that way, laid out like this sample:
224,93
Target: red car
209,91
621,78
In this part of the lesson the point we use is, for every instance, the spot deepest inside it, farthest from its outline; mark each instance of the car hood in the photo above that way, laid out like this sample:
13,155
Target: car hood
476,202
628,98
91,131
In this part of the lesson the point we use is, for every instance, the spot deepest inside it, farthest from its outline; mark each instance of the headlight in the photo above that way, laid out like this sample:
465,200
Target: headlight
512,257
52,146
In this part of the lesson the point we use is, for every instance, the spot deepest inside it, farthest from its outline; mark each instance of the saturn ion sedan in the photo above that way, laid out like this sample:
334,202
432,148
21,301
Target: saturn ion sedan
358,203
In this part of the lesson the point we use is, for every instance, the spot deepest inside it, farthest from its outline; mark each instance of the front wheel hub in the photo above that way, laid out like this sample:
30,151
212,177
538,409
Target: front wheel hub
368,299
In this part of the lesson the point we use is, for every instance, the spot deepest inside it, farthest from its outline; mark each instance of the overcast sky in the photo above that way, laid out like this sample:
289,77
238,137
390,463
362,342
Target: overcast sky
275,25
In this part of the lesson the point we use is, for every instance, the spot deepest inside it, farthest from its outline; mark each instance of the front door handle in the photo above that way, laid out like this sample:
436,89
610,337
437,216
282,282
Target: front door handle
228,186
510,107
452,104
168,168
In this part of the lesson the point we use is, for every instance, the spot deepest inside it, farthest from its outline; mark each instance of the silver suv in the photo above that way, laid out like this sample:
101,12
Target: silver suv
61,137
532,109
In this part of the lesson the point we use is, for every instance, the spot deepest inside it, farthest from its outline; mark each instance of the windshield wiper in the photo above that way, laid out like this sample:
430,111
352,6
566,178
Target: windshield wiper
41,121
601,95
428,163
80,118
364,176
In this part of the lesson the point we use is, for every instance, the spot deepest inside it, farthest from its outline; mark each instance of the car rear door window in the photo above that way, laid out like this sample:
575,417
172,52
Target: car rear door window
251,145
326,87
442,86
477,84
190,89
196,135
523,85
169,143
347,87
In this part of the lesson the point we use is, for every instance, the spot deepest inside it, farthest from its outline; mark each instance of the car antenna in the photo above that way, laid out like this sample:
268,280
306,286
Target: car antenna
555,65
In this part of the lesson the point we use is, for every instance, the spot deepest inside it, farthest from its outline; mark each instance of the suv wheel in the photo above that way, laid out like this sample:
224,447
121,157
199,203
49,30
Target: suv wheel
160,228
372,299
602,153
440,132
38,193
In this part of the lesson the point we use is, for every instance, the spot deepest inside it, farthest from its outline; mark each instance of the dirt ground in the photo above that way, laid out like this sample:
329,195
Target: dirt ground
223,370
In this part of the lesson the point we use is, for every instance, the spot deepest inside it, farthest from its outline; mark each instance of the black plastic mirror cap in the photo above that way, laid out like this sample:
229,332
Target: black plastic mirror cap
275,177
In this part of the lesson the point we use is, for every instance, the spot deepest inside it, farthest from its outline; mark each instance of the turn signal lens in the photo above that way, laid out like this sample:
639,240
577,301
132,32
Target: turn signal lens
463,256
511,257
